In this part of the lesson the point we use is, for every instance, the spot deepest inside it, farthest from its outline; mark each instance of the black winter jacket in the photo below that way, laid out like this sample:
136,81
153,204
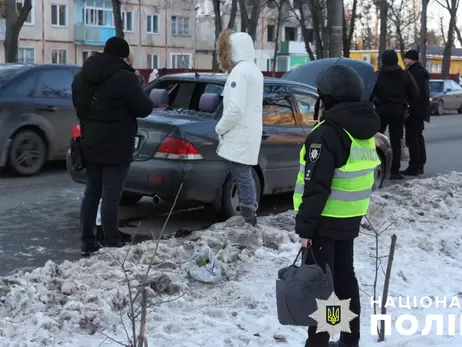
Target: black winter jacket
394,89
361,121
108,98
420,109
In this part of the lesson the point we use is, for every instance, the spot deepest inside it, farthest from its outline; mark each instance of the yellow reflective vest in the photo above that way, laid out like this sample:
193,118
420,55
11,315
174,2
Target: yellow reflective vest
351,187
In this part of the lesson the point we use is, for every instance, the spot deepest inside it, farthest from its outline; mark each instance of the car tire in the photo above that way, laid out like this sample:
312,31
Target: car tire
230,196
130,199
459,110
27,154
379,173
440,108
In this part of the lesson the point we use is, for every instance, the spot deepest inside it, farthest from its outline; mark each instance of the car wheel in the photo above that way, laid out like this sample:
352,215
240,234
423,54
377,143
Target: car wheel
379,174
440,108
459,110
230,202
27,154
129,199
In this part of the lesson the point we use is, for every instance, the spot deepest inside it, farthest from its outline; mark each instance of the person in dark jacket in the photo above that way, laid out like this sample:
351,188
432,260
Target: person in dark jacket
419,112
334,185
393,91
108,98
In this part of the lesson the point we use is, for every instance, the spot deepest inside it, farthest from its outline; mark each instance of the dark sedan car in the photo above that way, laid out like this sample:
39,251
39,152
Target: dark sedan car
445,95
36,113
178,143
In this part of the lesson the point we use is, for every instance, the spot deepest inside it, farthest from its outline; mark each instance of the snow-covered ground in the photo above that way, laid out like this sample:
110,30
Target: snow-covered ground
79,304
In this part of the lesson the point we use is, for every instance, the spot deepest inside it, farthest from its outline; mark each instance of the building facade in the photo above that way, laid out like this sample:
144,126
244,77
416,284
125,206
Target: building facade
160,33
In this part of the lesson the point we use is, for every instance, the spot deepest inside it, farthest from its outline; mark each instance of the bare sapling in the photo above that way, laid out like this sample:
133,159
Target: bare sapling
136,333
379,267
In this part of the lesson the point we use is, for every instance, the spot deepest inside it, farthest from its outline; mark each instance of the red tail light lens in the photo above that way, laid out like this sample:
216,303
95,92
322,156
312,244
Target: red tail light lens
175,148
75,132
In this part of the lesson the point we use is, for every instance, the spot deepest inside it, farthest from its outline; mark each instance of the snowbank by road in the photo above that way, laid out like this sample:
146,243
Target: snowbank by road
73,304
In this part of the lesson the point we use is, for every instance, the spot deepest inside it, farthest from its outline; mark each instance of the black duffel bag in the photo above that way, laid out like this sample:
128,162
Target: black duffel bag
298,287
77,159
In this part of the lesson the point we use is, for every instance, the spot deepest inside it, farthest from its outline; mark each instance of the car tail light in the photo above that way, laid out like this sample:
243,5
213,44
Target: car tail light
175,148
75,132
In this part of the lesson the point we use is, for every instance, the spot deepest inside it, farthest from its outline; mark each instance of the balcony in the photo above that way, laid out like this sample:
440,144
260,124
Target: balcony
92,35
292,47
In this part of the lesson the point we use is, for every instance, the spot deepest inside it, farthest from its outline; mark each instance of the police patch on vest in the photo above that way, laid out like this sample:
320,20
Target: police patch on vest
314,152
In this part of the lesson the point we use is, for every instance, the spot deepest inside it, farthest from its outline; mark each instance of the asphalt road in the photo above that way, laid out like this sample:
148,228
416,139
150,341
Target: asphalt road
39,215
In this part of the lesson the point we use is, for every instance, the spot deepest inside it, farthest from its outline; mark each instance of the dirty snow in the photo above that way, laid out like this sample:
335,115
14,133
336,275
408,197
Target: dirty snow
79,304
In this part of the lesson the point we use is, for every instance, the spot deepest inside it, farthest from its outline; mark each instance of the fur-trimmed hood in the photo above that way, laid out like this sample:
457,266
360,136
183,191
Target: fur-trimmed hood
232,48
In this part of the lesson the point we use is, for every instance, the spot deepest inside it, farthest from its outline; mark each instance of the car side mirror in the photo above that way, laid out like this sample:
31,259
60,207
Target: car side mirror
448,90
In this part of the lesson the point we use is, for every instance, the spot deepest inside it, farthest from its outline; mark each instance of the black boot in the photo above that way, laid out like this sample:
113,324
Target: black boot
88,248
100,235
249,215
396,176
411,172
341,344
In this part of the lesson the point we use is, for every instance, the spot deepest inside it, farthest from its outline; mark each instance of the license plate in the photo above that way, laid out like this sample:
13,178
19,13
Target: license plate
137,142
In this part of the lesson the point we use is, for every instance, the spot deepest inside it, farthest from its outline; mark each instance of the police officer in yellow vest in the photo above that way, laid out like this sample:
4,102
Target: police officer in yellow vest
334,185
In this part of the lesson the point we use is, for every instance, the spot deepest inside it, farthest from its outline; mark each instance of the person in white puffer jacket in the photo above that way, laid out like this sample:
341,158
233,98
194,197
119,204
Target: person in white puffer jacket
241,126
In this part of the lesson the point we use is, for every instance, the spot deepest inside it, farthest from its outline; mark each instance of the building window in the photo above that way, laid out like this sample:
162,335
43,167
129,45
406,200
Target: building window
30,17
153,61
86,54
181,61
291,34
127,21
153,24
180,26
59,56
26,55
59,15
98,16
270,33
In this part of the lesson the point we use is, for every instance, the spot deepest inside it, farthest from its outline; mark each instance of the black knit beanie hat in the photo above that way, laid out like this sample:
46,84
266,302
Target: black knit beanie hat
412,54
117,46
389,58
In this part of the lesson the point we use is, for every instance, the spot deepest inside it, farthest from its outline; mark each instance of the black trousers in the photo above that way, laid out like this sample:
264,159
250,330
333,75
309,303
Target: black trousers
339,255
104,182
416,143
395,124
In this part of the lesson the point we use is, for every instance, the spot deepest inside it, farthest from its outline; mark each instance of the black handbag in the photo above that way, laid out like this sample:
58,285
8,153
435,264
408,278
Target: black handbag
298,287
77,159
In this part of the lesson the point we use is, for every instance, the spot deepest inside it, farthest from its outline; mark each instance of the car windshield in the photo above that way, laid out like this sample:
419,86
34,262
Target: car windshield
436,86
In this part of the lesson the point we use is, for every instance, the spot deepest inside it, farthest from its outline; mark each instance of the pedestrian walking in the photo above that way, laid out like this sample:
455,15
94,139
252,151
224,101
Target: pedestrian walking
108,97
154,75
334,185
241,126
394,90
419,112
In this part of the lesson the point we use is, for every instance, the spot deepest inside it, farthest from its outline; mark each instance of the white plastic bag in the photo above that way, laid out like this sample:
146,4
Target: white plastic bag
206,267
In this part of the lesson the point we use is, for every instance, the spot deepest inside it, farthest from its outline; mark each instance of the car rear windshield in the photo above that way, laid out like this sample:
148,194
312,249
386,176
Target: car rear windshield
436,86
7,72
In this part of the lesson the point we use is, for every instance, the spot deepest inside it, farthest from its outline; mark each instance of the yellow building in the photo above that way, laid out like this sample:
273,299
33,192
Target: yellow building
434,59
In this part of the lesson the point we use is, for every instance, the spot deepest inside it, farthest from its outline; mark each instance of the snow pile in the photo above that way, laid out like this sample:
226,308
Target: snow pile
80,303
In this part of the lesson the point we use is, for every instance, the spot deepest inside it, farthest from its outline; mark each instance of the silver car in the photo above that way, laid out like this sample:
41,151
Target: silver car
445,95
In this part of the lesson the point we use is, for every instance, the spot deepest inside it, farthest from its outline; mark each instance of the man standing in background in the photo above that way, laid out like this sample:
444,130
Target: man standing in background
241,126
419,112
392,92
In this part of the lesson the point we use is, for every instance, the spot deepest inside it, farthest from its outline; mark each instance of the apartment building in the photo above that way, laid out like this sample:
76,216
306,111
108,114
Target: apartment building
290,49
161,33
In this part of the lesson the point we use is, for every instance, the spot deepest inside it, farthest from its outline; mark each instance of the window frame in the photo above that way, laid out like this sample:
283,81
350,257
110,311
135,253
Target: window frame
172,55
293,90
59,25
268,33
33,54
289,100
175,23
31,13
58,50
124,21
149,57
95,8
151,17
37,94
